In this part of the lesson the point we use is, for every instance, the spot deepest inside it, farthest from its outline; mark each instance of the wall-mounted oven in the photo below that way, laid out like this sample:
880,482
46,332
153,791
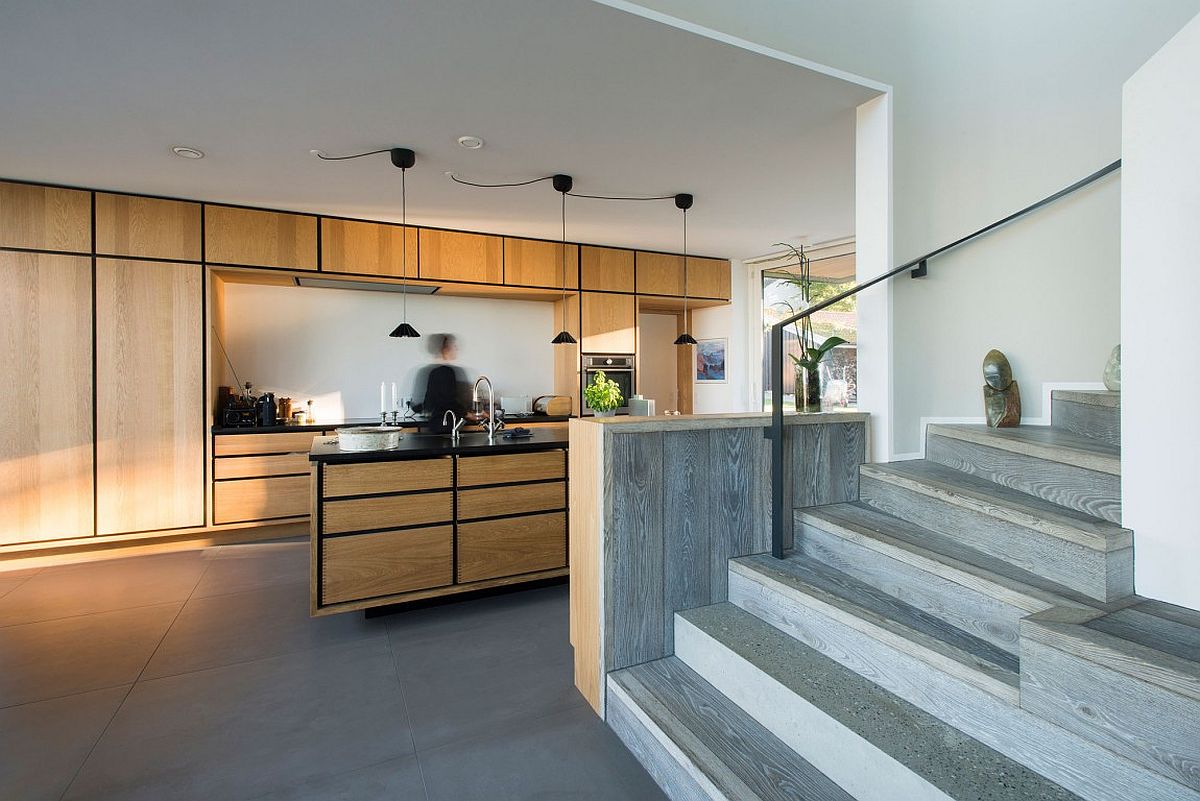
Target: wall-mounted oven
618,367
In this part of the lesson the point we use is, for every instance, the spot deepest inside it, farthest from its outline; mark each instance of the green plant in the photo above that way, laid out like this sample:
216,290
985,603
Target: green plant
812,353
813,356
603,394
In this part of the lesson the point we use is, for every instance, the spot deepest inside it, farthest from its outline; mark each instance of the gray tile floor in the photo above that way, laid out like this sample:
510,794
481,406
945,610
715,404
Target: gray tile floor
199,675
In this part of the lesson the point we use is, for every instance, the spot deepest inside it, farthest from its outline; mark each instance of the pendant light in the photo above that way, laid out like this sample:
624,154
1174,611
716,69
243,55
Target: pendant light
403,158
683,203
563,184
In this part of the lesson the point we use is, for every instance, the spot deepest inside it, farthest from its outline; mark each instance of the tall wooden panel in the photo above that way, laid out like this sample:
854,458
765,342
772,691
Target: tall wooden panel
149,396
350,246
607,269
260,238
128,225
45,397
45,218
456,256
659,274
608,322
533,262
708,278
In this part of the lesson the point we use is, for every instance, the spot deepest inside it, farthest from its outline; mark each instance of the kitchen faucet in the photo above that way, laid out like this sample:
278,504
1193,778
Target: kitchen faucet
492,425
456,423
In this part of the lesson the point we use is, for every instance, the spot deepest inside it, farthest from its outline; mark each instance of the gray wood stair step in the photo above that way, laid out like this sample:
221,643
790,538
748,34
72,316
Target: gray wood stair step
1091,397
1060,466
1128,680
884,618
972,591
827,712
1095,414
1062,546
697,744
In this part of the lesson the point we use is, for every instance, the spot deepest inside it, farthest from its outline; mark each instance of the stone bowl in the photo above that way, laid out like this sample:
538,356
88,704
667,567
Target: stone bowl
369,438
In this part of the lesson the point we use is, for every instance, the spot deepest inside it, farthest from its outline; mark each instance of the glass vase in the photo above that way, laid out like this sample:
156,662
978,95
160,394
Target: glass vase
809,400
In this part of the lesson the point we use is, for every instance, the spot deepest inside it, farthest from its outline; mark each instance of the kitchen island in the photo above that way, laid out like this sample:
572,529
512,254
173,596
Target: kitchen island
435,517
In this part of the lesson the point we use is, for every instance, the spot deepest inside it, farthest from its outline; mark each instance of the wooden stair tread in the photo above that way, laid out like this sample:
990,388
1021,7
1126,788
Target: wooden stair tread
1042,442
997,500
955,763
873,611
1091,397
736,754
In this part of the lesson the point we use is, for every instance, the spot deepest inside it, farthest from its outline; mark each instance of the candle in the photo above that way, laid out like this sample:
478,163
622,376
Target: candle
395,408
382,401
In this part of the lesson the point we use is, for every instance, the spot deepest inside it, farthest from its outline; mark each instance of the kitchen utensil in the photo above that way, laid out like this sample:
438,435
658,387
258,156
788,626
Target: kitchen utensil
553,405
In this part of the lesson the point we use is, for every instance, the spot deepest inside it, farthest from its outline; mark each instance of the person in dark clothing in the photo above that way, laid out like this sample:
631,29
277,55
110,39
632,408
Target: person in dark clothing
443,384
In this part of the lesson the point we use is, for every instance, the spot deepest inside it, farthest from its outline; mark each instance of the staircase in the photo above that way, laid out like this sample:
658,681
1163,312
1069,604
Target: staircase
966,630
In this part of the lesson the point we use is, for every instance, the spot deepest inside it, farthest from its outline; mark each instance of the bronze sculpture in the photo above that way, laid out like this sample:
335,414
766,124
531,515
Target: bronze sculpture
1001,394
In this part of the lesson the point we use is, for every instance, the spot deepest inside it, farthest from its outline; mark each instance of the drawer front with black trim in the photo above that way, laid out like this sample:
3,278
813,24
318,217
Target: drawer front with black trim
518,499
245,500
510,468
511,546
360,566
388,477
386,511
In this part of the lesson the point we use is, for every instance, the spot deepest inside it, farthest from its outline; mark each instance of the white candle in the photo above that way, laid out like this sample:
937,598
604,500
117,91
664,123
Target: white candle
395,408
382,400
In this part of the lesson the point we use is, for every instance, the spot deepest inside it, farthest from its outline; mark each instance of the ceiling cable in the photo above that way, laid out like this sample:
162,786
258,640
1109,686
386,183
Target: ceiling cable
465,182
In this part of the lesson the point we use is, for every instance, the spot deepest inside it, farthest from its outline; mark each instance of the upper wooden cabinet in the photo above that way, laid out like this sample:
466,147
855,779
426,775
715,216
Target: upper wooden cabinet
349,246
456,256
128,225
46,397
708,278
533,262
608,322
662,274
260,238
608,269
45,218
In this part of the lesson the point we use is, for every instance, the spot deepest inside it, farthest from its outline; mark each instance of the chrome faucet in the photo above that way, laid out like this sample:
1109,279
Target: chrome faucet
492,425
456,423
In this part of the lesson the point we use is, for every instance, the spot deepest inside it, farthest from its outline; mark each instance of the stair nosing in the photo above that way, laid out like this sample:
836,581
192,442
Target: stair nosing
982,436
891,633
1060,526
1104,399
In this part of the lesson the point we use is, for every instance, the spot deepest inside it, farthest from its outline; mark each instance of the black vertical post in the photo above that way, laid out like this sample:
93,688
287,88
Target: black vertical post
777,510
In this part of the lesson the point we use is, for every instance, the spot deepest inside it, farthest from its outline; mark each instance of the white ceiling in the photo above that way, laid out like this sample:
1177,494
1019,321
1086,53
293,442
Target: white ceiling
95,94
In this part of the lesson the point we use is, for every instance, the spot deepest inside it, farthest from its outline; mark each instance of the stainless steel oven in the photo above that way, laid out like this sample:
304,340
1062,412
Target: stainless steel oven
618,367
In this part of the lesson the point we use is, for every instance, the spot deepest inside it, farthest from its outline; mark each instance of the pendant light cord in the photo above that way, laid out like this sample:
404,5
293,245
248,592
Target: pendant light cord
621,197
323,157
403,246
687,326
477,185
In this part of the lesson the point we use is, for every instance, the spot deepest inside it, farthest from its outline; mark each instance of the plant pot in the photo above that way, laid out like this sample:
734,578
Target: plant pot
605,412
808,394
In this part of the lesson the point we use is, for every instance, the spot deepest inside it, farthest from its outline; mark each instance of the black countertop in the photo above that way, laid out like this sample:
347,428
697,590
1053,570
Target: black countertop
414,446
510,420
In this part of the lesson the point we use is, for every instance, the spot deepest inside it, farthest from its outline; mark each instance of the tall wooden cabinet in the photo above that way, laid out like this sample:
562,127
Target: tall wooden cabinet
149,396
608,322
45,397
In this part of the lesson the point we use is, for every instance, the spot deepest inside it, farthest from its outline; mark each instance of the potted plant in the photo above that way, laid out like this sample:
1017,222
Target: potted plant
603,395
808,364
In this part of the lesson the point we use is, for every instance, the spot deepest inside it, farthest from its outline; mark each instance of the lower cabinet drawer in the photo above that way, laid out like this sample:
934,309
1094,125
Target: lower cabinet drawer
362,566
280,464
387,511
515,545
244,500
515,500
251,444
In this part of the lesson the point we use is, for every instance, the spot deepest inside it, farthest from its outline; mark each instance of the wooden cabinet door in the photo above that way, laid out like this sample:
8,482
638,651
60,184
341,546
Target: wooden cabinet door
455,256
533,262
152,228
149,396
659,274
45,397
45,218
708,278
608,322
350,246
260,238
607,269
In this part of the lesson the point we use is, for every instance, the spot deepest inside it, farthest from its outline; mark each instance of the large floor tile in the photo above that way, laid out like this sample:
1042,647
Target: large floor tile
240,627
237,568
76,654
244,730
394,780
569,755
8,584
43,744
83,589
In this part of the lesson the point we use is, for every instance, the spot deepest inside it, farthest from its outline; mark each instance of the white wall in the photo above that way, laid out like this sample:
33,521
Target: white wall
1160,287
730,322
995,105
332,345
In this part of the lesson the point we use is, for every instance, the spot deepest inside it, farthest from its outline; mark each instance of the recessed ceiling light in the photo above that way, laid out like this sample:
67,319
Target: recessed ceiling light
470,142
187,152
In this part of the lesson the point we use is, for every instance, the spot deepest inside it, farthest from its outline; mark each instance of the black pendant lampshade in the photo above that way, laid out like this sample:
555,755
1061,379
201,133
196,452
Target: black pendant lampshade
685,339
563,184
683,202
404,158
404,330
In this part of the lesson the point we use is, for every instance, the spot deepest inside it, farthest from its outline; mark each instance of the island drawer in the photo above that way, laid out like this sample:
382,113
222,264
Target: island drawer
251,444
382,477
280,464
511,467
243,500
386,563
387,511
509,547
517,500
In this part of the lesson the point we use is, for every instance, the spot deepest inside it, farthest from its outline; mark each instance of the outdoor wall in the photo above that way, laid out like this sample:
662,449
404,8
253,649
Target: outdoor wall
994,106
1160,285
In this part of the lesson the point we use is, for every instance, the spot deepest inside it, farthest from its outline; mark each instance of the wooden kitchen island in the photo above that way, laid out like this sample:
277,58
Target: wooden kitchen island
435,518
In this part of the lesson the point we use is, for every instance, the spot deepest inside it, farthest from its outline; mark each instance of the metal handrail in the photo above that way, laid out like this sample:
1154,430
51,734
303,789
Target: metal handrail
919,269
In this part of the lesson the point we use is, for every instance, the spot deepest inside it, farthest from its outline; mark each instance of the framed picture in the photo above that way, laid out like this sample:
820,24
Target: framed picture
710,361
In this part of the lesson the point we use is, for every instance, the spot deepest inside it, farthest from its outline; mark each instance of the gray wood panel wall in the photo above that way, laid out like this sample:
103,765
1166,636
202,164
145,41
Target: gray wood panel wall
680,504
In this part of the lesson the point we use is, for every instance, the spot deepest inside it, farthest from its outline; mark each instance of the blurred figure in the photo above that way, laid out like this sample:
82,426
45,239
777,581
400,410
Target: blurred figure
443,382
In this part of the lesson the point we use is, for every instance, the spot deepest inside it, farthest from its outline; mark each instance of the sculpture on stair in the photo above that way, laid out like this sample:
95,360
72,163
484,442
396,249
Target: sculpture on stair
1112,371
1001,394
